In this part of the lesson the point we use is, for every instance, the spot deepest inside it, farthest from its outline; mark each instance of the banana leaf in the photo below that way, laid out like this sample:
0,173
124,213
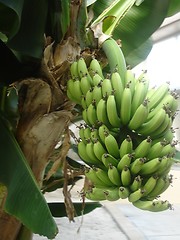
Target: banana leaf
24,200
174,7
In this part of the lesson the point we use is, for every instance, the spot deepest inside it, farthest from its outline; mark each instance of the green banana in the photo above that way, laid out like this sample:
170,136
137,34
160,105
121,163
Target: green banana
114,175
165,165
81,133
85,84
103,176
112,112
153,206
126,176
70,91
115,57
153,124
82,69
143,148
82,153
91,114
136,195
106,87
99,150
150,167
139,95
77,90
102,112
85,117
71,97
126,146
103,130
97,80
136,165
112,194
95,135
136,184
96,194
123,192
118,88
126,102
95,68
111,145
155,150
91,155
140,116
169,149
90,173
158,95
89,97
97,94
108,159
149,185
83,102
74,70
130,79
125,161
87,132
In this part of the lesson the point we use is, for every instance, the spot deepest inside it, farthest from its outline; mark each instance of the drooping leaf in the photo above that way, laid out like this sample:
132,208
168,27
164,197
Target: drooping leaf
58,208
174,7
10,16
24,200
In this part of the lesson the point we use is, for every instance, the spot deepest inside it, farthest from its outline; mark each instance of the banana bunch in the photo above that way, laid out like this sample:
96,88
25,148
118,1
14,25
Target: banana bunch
127,135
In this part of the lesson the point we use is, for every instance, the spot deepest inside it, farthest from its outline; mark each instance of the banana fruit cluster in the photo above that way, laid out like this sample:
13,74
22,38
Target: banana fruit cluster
127,135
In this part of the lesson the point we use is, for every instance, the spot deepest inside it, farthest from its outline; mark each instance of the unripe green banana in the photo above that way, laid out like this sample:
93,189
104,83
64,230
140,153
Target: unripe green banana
149,185
99,150
89,97
91,155
136,195
77,90
83,102
126,146
82,152
136,184
95,135
150,92
103,176
125,161
155,150
70,91
130,79
97,80
153,124
102,132
136,165
118,88
126,176
90,173
125,110
85,117
95,68
74,70
165,165
97,94
114,175
139,116
158,95
71,97
143,148
112,194
111,145
85,84
87,132
83,70
150,167
168,180
102,113
169,149
108,159
112,112
115,57
81,133
153,206
123,192
91,114
106,87
139,95
96,194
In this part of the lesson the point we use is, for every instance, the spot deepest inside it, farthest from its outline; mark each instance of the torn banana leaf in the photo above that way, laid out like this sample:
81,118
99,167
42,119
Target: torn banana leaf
24,200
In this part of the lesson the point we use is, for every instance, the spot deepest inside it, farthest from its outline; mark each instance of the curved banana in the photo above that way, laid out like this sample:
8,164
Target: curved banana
90,173
125,110
149,185
153,206
125,161
97,80
106,87
99,150
103,130
75,97
155,150
136,184
112,112
102,113
150,167
89,97
74,70
169,149
85,117
130,80
82,152
143,148
140,116
112,194
77,90
108,159
95,68
103,176
126,146
114,175
118,88
115,57
123,192
83,70
91,155
111,145
97,94
96,194
91,114
85,84
136,165
126,176
136,195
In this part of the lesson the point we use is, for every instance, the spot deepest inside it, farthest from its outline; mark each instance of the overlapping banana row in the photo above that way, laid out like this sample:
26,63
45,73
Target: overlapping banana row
127,138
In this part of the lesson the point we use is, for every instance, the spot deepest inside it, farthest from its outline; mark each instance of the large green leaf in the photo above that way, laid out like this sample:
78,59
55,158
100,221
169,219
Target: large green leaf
24,200
174,7
29,40
10,16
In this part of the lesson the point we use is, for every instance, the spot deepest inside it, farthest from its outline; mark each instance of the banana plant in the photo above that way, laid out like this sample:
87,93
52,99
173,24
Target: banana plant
38,41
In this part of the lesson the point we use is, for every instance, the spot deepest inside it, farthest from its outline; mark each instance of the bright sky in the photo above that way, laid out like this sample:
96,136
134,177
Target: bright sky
163,63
